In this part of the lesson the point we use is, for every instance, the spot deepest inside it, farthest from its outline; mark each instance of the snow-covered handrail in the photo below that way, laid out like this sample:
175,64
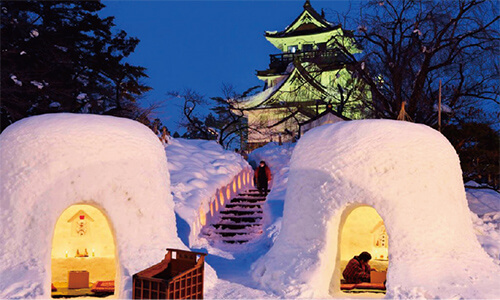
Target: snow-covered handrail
208,212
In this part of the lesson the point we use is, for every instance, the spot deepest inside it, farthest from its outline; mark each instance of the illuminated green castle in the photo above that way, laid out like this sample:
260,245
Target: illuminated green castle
309,81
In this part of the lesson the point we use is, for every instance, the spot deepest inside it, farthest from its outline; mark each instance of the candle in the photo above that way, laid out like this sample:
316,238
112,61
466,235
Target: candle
66,253
93,254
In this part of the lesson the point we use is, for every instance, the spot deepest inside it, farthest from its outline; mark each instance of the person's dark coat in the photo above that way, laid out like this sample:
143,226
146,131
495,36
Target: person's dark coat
259,176
357,271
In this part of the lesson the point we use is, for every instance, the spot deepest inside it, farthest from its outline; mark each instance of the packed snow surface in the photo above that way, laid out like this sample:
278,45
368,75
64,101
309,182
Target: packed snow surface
53,161
197,169
411,175
43,155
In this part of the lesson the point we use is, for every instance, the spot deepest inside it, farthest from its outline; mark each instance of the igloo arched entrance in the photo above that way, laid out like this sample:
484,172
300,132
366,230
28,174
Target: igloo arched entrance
411,175
54,161
361,228
83,241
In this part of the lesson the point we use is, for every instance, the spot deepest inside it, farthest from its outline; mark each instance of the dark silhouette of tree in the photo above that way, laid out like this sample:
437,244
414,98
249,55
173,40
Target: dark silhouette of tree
226,123
478,147
408,46
60,56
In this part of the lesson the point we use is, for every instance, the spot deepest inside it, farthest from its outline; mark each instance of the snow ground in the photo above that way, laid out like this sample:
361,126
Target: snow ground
234,264
197,168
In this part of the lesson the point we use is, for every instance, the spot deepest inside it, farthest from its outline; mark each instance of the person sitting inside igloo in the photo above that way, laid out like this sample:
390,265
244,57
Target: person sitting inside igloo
358,269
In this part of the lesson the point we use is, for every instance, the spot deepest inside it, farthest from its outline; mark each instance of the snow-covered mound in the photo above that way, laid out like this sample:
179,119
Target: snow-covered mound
197,169
51,162
411,175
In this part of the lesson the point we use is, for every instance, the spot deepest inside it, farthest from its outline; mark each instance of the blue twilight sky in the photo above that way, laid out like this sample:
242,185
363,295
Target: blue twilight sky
202,44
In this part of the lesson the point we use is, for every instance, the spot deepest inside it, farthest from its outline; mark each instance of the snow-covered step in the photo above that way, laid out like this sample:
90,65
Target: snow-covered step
237,241
238,234
248,199
242,211
245,194
243,205
237,219
241,218
230,222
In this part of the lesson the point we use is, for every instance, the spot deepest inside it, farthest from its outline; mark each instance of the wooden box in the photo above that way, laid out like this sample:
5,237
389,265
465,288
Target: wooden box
377,277
179,276
78,279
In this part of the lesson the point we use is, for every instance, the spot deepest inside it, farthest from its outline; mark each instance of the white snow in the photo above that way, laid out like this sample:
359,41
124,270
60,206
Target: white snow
411,175
34,33
444,108
408,172
16,81
38,84
259,98
54,104
53,161
197,168
63,49
81,96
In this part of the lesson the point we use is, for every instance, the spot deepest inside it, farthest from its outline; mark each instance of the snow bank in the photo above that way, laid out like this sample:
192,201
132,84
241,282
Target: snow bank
278,159
485,205
53,161
483,200
411,175
197,169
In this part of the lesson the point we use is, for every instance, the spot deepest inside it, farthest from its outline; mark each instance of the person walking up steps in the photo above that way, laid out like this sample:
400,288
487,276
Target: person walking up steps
262,177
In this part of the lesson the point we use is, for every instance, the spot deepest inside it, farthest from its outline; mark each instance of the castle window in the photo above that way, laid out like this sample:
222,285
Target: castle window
292,49
307,47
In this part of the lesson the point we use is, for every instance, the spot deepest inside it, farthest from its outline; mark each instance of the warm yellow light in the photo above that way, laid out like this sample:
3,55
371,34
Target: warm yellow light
79,229
203,217
364,230
221,198
228,192
216,204
239,182
211,209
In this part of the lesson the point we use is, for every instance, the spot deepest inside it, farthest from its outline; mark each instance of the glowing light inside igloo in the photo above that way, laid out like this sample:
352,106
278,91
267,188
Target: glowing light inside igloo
83,243
364,230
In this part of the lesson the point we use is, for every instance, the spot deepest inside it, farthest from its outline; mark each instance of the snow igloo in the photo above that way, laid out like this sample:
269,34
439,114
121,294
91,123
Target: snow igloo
402,174
81,192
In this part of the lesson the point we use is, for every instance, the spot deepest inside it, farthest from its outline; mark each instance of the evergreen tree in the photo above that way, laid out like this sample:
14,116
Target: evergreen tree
60,56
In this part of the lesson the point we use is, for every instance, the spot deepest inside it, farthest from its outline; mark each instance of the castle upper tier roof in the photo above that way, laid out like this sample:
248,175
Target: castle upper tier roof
308,22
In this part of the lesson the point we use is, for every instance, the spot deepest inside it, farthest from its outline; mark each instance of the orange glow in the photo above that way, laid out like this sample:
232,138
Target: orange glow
203,217
228,191
234,186
221,198
211,209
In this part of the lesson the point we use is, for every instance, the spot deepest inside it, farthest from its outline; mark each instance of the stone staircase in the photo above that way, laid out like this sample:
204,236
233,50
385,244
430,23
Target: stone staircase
241,219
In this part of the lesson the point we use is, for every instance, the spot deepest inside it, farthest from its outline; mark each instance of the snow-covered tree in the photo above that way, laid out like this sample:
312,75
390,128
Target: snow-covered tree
61,56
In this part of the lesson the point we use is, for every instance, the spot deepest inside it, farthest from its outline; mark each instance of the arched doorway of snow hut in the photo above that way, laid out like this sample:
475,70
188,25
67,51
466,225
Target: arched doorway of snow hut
83,242
361,229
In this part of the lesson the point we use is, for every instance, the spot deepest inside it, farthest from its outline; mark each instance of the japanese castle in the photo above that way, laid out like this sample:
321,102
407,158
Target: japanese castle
309,83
